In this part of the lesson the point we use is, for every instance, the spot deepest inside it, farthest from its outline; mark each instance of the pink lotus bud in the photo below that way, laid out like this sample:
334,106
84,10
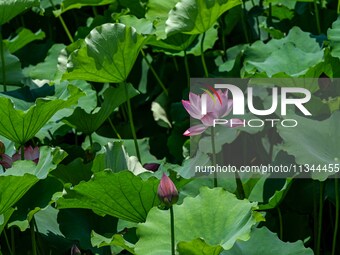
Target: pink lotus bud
5,161
75,250
2,148
167,191
30,154
151,166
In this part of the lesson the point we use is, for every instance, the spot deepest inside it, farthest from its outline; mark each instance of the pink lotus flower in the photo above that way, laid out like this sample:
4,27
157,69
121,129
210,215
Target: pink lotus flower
217,108
5,160
167,191
29,154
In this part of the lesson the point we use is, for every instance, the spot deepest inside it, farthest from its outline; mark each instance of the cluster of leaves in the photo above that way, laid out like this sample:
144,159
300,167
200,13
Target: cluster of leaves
97,86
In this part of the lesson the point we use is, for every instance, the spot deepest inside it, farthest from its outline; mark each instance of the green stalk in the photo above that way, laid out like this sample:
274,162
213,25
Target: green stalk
280,222
317,16
34,242
22,152
2,53
187,70
243,21
154,73
214,154
224,47
175,64
13,241
206,74
132,126
172,225
63,24
114,129
91,141
315,213
257,21
66,29
338,9
318,242
7,243
337,208
95,12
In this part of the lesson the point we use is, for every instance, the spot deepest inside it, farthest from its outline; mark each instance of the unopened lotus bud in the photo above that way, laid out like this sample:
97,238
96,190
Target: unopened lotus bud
75,250
151,166
167,191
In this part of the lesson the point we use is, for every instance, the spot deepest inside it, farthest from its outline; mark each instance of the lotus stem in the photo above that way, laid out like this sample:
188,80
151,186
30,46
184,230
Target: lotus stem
132,126
214,154
318,242
206,74
337,208
172,225
2,53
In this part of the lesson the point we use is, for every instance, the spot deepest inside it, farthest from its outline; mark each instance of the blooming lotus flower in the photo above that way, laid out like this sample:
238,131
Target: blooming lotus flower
167,191
218,106
29,154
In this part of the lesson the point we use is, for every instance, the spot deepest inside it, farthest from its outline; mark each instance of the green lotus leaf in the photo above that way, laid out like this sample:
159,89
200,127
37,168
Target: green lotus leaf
333,35
77,4
314,143
116,240
260,241
283,55
21,126
11,8
230,220
196,16
24,37
157,13
18,179
198,247
13,188
107,55
113,97
47,70
121,195
12,69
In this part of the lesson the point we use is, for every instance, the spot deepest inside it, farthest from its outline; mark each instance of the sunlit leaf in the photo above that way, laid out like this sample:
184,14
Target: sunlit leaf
292,55
48,69
107,55
12,69
116,240
77,4
157,13
198,247
196,16
261,239
11,8
121,195
232,220
314,143
24,37
21,126
113,97
333,35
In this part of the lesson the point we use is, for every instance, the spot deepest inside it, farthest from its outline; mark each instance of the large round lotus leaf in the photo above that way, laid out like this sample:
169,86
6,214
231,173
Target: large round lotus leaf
215,215
264,242
196,16
107,55
315,143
